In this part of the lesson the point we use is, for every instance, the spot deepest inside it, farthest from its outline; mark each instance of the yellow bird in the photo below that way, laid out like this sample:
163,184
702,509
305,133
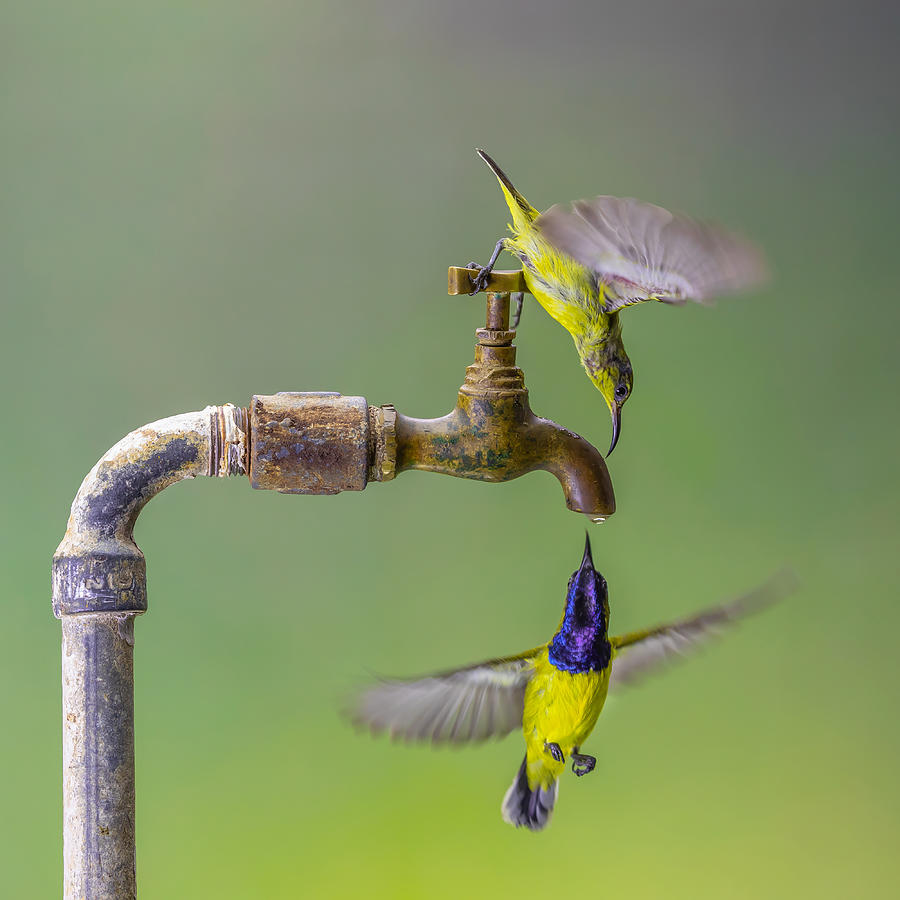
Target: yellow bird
586,263
554,692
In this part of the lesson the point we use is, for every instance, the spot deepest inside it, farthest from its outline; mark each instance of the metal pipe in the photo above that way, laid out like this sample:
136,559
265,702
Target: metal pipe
98,755
99,586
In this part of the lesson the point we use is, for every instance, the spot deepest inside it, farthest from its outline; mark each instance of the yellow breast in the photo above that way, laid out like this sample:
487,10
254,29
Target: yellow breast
565,288
560,708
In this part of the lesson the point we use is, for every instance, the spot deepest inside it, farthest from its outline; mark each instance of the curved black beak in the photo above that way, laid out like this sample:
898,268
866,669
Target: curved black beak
617,427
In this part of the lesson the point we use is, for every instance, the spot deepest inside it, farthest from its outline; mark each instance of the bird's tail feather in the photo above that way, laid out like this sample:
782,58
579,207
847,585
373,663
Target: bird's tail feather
524,806
520,209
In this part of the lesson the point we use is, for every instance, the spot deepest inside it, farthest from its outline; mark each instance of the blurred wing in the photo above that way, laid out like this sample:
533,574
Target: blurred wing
471,704
642,652
644,252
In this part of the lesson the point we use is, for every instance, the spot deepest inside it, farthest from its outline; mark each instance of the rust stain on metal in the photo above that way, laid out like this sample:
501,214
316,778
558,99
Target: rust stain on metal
309,443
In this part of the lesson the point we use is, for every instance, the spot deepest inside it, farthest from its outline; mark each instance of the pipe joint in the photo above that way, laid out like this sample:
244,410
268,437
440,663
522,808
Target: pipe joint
229,440
97,567
319,443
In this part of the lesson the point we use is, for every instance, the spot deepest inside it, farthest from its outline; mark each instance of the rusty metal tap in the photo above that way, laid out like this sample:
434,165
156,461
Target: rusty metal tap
492,433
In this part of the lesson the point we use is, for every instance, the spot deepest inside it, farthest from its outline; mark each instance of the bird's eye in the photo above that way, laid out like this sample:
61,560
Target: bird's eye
621,390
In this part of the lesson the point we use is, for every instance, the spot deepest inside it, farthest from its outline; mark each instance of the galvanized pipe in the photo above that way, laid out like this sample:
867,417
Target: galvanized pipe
98,755
99,587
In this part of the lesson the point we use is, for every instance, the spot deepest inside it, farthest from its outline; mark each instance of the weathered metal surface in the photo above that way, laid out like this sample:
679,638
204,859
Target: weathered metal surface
229,437
99,586
492,434
459,281
98,756
496,328
383,442
98,567
309,443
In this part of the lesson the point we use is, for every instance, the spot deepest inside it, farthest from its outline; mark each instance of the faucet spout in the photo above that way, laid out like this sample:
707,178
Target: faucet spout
578,466
493,435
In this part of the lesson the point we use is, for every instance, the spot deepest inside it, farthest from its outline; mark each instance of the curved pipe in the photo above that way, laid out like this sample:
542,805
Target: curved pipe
99,586
578,465
498,440
144,462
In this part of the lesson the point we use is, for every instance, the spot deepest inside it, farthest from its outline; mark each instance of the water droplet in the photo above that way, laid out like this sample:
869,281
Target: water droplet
597,520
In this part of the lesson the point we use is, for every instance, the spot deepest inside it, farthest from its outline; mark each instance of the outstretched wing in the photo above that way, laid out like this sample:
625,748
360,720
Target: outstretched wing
470,704
644,252
641,652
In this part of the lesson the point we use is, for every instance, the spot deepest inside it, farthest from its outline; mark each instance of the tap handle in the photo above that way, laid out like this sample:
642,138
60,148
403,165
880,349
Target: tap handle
459,281
498,288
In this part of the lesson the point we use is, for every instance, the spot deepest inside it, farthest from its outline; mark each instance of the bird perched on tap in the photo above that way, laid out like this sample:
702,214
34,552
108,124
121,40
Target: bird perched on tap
587,262
554,692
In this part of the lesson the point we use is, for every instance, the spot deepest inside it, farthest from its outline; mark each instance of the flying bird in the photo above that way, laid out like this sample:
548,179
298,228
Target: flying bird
587,262
554,692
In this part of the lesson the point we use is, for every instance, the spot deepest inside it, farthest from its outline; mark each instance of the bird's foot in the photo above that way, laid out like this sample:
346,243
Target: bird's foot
518,298
479,282
582,763
555,751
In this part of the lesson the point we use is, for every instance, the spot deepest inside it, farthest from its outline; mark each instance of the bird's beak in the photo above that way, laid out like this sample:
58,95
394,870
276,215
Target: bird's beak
586,562
616,411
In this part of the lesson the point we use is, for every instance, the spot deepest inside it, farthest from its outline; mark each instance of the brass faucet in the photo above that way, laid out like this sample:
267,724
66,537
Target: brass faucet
492,434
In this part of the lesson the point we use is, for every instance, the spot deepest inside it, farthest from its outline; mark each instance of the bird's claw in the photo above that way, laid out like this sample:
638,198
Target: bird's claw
479,281
582,763
555,751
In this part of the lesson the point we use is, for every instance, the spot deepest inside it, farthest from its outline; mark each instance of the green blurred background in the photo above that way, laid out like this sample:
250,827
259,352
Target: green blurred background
205,201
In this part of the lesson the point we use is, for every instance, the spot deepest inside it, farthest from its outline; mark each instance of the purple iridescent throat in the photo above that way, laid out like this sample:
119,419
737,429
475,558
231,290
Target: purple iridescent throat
581,644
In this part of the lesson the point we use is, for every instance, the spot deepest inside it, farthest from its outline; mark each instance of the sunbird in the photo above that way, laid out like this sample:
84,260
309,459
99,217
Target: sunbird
554,692
586,263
